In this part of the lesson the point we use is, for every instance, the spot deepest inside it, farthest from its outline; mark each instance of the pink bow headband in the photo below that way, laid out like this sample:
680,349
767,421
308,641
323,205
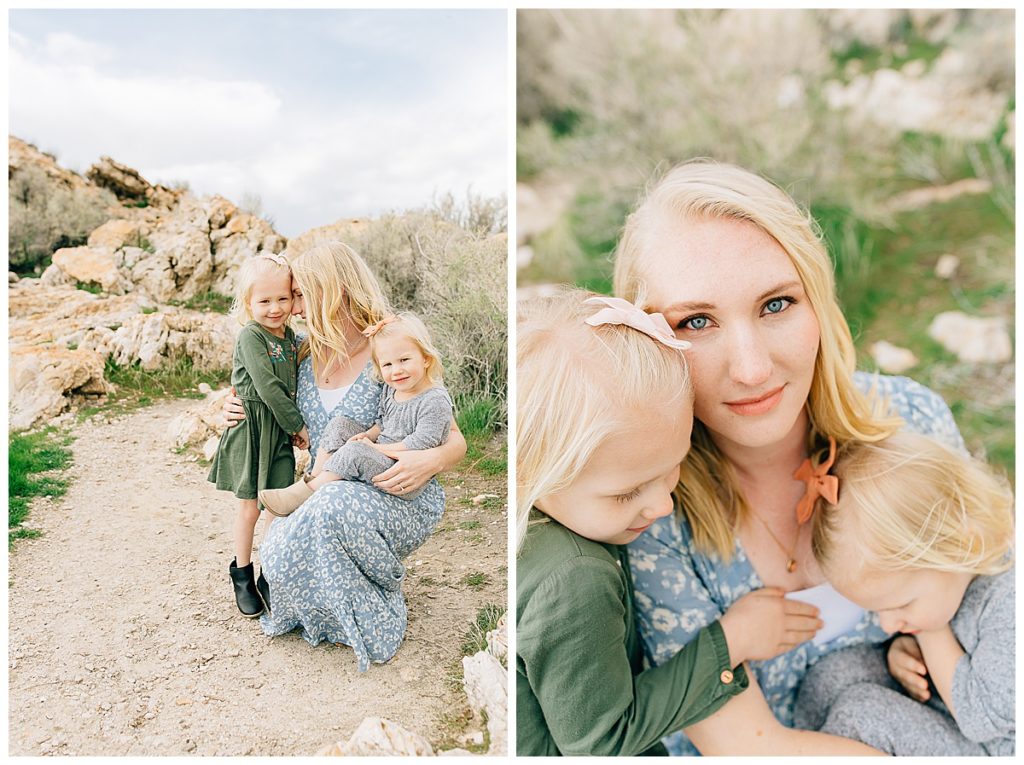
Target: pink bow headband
373,329
619,311
279,259
819,483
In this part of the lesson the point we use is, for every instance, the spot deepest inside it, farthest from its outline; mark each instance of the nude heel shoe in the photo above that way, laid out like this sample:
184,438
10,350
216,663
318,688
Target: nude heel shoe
282,502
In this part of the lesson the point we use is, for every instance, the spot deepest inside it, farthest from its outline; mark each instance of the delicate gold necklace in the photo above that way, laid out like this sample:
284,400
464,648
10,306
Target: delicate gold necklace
326,375
790,557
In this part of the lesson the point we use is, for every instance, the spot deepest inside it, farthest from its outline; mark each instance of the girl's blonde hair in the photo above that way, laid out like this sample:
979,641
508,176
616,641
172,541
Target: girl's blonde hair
908,502
576,386
337,287
410,325
702,190
252,269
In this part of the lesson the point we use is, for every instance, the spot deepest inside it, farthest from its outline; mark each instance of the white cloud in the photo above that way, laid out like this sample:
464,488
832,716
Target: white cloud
310,164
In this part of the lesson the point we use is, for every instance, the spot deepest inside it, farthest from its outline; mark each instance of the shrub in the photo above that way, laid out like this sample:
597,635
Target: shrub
45,216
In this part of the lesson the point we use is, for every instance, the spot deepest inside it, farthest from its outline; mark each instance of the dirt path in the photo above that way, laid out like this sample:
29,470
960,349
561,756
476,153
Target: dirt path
124,637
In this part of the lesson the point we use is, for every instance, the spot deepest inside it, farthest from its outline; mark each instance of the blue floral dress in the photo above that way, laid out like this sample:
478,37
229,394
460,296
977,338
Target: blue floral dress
335,564
680,590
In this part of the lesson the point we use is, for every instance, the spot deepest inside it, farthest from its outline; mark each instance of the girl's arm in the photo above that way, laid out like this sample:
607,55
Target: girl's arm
414,468
746,726
271,389
571,650
941,651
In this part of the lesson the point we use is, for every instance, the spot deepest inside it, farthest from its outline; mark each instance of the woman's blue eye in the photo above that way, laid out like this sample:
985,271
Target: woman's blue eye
776,305
695,322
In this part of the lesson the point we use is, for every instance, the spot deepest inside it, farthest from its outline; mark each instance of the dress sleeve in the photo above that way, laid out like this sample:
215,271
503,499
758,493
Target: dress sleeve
271,389
983,679
433,421
572,641
673,604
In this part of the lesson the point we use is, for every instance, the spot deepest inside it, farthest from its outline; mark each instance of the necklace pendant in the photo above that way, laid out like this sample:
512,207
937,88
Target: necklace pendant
791,565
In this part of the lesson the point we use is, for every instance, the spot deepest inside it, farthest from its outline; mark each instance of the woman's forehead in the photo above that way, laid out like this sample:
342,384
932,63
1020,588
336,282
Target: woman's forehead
704,261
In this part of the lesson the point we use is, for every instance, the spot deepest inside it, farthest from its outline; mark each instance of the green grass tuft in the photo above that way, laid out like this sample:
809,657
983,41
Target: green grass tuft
29,455
476,580
475,639
207,302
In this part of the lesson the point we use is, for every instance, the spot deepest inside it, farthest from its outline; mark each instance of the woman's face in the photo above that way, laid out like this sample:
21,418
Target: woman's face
732,291
298,301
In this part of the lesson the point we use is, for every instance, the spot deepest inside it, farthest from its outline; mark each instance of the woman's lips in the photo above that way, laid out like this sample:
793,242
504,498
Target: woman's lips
759,405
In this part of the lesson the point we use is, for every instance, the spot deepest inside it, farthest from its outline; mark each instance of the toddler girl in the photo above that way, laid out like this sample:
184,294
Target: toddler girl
257,452
923,536
605,409
415,413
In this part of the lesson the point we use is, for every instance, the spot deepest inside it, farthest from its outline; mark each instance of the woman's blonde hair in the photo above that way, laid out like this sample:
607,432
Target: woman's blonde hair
701,190
908,502
410,325
252,269
576,386
337,287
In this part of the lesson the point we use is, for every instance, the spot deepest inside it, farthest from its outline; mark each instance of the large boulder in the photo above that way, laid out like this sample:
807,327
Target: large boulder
44,381
128,185
91,265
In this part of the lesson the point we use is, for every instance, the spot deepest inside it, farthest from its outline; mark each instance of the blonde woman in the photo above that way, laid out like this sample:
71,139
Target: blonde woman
924,537
738,270
334,566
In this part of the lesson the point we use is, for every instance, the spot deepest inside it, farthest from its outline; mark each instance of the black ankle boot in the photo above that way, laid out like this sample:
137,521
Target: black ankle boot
264,587
246,595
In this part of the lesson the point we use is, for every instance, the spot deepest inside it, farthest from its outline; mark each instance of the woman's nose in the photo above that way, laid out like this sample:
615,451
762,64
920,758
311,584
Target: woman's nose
750,361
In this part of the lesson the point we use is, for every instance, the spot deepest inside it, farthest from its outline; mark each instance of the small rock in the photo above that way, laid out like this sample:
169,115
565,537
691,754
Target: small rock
149,715
946,266
891,358
973,339
183,702
204,388
105,706
90,667
232,652
479,499
207,657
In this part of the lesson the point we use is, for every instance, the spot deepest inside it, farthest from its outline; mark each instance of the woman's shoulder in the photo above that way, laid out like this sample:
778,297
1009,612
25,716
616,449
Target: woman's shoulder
923,410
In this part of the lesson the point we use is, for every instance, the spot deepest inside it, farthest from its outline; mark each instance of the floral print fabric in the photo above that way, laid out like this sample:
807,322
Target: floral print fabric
680,590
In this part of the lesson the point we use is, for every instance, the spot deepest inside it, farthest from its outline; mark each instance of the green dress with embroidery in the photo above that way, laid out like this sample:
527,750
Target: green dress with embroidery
257,453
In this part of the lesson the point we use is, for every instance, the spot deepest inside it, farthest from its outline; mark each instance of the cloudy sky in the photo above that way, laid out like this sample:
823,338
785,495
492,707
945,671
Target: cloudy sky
324,114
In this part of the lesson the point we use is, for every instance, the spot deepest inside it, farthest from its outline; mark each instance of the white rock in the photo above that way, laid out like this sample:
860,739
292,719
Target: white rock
204,388
479,499
946,266
485,681
892,359
381,737
973,339
210,447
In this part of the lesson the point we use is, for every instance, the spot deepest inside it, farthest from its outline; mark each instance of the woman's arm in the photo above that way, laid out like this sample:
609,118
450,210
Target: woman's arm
746,726
413,469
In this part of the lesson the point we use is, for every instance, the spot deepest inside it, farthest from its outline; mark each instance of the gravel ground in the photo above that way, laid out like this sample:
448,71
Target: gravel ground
124,638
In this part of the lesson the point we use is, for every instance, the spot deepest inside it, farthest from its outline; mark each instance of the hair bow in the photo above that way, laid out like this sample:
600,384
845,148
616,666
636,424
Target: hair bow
819,483
373,329
279,259
619,311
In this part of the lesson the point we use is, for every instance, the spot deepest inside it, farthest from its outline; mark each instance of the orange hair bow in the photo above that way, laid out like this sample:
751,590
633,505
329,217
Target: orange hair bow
819,483
373,329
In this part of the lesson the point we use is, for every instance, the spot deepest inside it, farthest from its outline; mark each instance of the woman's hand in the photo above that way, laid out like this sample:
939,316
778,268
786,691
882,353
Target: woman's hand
233,410
411,471
906,665
762,624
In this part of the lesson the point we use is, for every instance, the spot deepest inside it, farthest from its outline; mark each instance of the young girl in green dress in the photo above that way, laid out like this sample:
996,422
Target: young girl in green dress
257,453
605,409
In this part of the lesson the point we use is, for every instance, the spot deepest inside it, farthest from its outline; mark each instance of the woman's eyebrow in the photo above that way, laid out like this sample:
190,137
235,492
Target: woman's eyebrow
695,305
783,287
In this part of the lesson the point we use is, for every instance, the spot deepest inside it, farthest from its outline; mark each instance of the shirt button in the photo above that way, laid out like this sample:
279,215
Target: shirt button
726,676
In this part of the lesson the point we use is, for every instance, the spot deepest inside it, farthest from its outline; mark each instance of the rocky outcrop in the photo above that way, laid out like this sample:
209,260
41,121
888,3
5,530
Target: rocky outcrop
168,254
485,681
343,230
128,185
21,156
61,337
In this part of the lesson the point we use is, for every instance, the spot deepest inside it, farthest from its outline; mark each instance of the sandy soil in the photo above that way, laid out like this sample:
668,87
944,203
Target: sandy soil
124,637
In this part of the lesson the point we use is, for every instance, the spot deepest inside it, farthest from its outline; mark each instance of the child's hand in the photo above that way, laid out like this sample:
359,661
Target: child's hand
301,439
906,664
762,624
364,436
